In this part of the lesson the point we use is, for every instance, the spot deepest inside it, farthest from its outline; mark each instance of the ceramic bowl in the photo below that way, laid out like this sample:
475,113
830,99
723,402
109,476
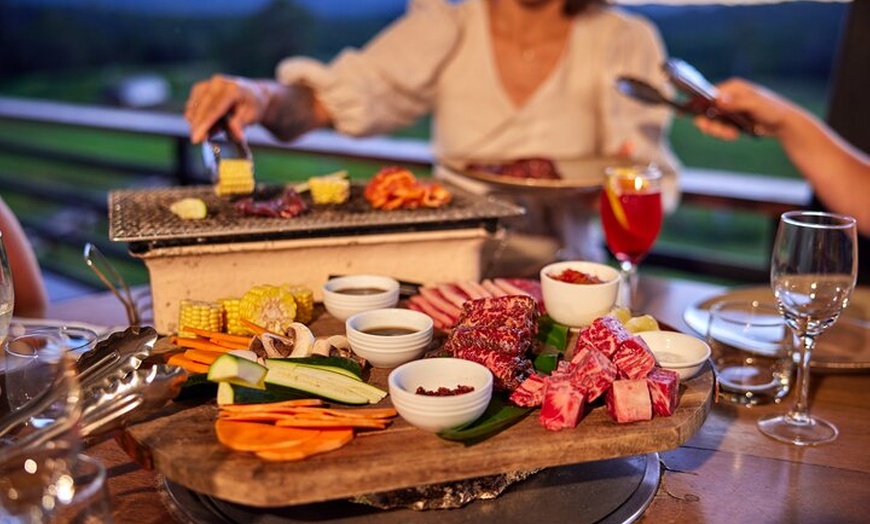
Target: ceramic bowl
577,305
679,352
437,413
346,296
389,337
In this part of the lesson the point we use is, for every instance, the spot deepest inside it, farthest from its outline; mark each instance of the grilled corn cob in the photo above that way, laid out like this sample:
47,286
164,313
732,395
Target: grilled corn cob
232,324
271,307
235,177
330,189
199,314
304,298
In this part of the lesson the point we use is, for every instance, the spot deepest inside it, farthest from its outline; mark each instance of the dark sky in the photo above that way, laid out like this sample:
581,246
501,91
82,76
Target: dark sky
320,7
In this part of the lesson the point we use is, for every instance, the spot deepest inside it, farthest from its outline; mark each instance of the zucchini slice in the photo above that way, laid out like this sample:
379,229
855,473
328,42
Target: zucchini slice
321,382
237,370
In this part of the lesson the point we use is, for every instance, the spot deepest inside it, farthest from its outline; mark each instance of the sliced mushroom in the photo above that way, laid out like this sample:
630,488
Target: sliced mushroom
335,345
277,346
304,340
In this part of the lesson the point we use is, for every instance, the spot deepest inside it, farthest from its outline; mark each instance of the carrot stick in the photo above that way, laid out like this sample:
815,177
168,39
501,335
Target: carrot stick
197,343
257,329
218,335
375,413
301,402
264,416
349,422
181,361
202,356
228,344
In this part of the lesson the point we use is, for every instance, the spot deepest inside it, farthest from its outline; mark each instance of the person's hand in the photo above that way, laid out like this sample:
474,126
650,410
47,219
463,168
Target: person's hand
767,110
242,101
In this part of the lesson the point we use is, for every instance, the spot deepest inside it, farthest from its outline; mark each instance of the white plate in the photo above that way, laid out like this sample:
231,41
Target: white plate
844,347
583,175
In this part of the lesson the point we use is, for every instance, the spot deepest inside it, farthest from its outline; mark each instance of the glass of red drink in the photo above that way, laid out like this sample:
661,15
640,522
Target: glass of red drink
631,215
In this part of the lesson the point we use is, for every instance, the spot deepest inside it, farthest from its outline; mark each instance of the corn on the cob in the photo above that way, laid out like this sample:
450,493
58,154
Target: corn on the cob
232,324
235,177
199,314
271,307
330,189
304,298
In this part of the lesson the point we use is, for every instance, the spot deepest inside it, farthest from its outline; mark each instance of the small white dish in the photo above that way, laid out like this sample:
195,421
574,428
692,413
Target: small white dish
433,412
679,352
577,305
346,296
389,337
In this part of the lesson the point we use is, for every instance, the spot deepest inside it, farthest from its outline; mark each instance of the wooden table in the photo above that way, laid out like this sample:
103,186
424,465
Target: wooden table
728,472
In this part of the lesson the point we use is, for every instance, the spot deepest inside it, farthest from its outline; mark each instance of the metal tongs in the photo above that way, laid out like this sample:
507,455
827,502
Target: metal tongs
107,274
211,151
698,95
113,389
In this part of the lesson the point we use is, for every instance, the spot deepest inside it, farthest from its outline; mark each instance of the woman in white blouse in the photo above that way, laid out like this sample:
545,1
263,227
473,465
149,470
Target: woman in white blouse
503,79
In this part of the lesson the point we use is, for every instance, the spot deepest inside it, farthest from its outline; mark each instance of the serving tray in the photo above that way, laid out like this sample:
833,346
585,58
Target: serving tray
181,444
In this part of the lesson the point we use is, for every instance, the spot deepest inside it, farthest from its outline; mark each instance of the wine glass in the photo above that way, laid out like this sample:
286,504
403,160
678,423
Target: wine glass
631,215
40,437
813,272
7,293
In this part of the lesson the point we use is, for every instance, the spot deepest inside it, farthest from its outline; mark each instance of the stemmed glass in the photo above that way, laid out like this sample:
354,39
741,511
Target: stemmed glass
7,293
813,272
631,215
39,437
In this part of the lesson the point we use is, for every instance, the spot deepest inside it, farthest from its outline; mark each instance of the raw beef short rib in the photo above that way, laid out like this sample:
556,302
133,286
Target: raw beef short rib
628,400
664,388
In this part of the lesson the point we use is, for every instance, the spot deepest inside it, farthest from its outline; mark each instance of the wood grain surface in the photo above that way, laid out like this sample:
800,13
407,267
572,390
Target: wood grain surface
181,444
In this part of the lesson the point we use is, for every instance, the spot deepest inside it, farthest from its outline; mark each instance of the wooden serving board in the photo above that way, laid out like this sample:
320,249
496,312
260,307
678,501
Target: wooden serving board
180,443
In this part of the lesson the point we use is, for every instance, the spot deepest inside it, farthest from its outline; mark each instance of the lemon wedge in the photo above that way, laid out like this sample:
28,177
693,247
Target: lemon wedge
642,323
613,197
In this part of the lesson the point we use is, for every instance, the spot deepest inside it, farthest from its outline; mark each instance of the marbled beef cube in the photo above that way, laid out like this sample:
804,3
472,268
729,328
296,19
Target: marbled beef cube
628,400
511,341
664,388
530,393
633,358
604,334
562,403
592,373
514,311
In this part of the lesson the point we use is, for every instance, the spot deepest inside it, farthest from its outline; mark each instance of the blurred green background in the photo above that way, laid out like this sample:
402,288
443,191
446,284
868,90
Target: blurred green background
83,51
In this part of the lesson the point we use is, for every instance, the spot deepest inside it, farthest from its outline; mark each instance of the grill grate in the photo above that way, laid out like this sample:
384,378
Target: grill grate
142,218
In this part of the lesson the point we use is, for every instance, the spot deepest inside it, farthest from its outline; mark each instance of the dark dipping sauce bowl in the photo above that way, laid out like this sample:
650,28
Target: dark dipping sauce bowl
346,296
389,337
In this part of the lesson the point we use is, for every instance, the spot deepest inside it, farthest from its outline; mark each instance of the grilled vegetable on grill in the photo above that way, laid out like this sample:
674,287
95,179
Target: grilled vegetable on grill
189,208
330,189
235,177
